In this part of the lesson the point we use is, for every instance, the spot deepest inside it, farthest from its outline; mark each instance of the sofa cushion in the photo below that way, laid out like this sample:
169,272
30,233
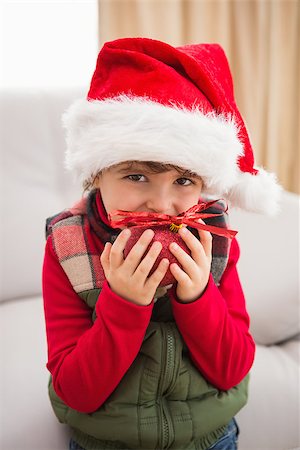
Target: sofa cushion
270,420
27,421
273,394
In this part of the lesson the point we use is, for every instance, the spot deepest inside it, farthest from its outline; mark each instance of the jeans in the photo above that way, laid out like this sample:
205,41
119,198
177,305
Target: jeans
74,446
228,441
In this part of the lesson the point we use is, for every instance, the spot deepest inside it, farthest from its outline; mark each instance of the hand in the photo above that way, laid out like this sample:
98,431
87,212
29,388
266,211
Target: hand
129,278
192,279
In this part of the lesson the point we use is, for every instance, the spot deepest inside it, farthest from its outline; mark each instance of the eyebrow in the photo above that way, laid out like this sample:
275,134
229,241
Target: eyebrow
190,174
136,168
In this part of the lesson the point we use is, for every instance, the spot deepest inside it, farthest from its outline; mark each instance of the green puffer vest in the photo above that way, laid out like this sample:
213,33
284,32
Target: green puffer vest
163,401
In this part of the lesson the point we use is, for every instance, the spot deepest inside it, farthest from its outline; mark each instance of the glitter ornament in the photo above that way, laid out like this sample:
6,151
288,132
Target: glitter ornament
166,229
164,235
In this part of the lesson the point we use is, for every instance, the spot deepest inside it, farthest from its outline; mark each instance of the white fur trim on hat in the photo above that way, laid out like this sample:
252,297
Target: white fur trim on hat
102,133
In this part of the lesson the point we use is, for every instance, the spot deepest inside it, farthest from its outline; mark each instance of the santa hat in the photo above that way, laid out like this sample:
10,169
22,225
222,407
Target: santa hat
149,101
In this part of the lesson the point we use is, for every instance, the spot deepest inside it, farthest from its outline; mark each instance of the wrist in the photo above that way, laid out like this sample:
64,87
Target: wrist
189,297
128,298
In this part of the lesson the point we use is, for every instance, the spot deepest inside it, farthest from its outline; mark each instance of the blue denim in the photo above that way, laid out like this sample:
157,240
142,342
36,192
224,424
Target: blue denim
228,441
74,446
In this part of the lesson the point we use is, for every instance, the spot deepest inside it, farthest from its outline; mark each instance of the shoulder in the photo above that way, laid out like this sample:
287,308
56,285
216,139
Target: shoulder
67,234
53,220
66,217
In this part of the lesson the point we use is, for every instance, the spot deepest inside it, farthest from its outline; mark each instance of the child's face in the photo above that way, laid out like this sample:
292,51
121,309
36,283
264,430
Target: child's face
137,188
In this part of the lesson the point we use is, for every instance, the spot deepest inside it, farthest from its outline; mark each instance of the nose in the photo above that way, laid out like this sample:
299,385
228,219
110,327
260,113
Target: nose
159,202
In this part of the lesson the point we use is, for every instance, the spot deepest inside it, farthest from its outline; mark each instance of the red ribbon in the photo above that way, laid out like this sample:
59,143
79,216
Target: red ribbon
189,217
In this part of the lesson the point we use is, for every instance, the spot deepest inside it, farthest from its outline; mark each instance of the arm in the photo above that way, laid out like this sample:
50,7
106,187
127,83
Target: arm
215,328
87,360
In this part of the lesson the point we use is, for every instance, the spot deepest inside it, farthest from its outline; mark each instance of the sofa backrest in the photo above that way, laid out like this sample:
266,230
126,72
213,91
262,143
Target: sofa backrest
34,184
269,269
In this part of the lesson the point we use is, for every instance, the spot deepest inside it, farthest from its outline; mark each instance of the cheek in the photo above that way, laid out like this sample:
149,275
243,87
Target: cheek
130,201
189,200
120,198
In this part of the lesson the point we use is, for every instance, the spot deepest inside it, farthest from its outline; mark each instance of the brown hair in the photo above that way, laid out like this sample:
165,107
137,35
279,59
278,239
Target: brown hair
153,167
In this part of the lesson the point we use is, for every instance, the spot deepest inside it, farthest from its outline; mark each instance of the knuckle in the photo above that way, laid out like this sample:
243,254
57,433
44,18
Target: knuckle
114,251
132,256
134,250
143,270
152,253
159,272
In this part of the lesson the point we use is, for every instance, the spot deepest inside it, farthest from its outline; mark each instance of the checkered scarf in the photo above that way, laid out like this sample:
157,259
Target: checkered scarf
79,235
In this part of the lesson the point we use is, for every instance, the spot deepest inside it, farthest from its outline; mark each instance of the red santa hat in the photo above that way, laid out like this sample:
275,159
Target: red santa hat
149,101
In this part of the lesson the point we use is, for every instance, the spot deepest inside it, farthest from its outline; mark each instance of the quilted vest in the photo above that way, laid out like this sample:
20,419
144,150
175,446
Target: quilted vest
163,401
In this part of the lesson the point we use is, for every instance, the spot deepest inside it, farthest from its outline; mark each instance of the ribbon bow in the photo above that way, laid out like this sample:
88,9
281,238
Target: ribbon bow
189,217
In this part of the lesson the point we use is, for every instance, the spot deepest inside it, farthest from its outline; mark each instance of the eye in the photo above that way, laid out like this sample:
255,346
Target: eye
184,181
136,177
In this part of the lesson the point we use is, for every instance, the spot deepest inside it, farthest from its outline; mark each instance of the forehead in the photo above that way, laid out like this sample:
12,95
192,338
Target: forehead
131,166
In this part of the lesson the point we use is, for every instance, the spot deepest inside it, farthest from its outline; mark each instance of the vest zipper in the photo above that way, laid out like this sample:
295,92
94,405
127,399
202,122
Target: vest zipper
167,432
165,429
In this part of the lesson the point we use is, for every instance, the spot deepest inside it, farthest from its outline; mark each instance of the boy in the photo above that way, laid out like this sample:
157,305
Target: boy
136,364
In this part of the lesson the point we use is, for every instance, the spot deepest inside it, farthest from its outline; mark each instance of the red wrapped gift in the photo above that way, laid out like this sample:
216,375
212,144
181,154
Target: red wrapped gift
166,230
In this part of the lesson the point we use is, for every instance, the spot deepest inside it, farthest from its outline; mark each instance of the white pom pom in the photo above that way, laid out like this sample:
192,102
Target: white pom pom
259,193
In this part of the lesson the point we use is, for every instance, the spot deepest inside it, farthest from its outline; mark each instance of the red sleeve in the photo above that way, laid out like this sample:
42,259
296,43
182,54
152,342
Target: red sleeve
87,360
215,328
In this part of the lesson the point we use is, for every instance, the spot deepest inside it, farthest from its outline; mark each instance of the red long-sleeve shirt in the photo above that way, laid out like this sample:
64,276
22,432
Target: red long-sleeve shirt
87,360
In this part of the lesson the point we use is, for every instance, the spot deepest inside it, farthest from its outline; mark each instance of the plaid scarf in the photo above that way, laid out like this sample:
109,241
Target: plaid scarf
79,235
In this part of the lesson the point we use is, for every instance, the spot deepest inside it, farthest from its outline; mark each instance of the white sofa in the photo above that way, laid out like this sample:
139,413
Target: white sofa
35,186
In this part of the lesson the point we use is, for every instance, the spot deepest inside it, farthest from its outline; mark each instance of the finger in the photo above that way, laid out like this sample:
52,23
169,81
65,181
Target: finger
188,264
206,240
154,280
145,266
104,257
135,255
193,244
117,249
180,276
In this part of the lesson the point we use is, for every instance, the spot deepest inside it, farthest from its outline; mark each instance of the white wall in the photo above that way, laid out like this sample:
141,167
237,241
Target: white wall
48,43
